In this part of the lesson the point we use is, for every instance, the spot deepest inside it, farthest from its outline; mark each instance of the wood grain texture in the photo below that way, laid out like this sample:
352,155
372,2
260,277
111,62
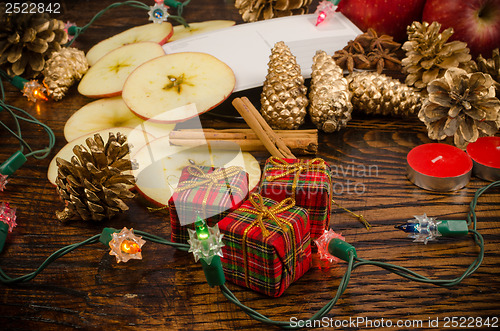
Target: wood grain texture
87,289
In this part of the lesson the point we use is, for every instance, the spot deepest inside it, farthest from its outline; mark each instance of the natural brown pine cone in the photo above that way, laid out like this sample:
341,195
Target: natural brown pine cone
27,40
94,184
462,105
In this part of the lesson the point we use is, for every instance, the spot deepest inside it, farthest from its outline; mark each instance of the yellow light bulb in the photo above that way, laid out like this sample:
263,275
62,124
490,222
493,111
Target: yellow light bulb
130,247
38,94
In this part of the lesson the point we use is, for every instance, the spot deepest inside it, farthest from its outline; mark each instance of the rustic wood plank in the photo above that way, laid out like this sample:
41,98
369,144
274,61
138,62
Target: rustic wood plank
86,289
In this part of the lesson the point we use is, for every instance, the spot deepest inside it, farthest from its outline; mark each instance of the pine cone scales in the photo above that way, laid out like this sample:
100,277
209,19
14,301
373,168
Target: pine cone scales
283,99
461,105
256,10
330,106
93,184
375,93
26,40
428,54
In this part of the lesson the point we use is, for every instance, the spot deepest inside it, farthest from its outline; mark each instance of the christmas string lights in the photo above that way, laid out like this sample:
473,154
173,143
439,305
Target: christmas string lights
157,13
337,247
16,160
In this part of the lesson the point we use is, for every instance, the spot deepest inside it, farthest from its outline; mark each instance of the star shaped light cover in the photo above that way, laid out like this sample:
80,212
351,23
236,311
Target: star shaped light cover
125,245
158,13
422,228
3,181
205,246
322,244
8,215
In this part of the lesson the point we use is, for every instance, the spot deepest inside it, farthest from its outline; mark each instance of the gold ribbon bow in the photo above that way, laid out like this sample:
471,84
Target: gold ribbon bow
297,168
212,180
264,212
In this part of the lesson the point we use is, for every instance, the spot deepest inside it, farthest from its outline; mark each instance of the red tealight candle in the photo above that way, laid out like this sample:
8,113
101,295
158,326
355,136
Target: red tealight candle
439,167
485,153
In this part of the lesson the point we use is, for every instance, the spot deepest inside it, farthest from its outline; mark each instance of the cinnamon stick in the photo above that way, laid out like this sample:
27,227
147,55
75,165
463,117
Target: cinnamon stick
256,122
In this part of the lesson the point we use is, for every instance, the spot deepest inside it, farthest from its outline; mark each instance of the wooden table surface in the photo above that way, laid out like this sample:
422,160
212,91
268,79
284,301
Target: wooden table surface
87,289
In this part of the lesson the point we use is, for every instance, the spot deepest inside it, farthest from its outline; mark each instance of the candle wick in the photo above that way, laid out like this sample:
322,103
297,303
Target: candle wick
434,160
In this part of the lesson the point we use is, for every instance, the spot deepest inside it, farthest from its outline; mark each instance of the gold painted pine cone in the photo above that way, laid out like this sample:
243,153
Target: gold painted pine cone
329,97
62,69
94,184
283,99
374,93
429,55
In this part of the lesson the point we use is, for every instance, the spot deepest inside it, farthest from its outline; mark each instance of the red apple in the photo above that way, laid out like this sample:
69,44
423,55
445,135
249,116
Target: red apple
390,17
476,22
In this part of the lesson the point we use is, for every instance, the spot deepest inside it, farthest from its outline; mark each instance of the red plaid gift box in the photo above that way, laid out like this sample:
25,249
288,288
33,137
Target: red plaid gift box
267,244
211,192
309,182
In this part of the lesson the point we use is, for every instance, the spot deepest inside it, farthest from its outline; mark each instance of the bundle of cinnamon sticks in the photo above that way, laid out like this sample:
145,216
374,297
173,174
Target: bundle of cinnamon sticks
260,136
300,142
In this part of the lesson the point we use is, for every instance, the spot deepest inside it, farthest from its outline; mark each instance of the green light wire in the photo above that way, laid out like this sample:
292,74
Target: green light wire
37,154
132,3
355,262
352,263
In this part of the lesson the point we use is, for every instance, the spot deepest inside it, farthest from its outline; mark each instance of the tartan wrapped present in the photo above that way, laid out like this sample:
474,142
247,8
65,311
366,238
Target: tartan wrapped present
309,182
210,192
267,244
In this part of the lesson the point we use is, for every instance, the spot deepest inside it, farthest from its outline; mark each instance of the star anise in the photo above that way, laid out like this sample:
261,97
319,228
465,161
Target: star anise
383,42
349,61
369,51
384,59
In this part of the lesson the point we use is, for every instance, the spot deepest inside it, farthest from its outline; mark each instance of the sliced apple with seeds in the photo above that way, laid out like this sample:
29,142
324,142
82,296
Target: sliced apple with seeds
106,77
158,33
179,86
180,31
135,138
109,113
161,164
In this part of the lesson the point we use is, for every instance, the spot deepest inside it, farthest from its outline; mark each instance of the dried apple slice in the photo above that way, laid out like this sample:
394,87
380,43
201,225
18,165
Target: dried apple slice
109,113
135,138
180,31
106,77
158,33
179,86
160,166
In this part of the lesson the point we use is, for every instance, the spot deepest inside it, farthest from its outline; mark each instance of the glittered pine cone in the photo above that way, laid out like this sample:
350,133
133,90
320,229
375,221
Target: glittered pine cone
462,105
329,97
429,55
27,40
283,99
94,184
257,10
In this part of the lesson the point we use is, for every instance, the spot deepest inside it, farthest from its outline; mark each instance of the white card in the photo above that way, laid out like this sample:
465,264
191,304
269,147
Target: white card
246,47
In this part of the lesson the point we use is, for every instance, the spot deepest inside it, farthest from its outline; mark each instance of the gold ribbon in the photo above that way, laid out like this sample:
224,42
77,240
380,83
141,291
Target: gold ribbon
212,180
264,212
297,168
